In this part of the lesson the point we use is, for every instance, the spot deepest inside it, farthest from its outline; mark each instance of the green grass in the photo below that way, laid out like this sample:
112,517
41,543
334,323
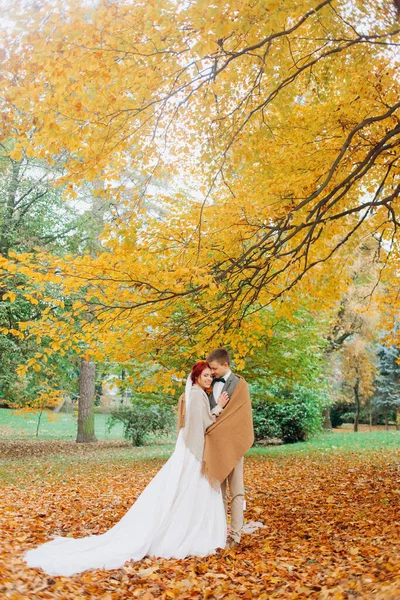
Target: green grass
60,426
328,442
63,427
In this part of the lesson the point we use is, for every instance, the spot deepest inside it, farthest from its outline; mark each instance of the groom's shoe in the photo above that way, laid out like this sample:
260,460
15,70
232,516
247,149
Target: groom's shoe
231,543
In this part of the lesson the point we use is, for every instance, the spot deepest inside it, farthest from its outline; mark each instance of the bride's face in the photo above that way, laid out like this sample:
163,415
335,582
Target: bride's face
204,380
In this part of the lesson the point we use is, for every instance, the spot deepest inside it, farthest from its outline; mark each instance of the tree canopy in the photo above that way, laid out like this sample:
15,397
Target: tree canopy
274,129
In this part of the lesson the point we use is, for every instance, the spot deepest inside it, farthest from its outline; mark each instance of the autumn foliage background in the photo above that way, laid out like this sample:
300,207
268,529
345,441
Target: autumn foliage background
245,151
181,176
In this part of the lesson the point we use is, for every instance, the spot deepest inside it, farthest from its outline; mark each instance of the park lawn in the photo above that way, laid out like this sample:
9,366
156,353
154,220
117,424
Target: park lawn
330,508
331,442
62,426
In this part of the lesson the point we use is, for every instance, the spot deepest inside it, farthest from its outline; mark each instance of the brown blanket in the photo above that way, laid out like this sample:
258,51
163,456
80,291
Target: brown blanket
229,438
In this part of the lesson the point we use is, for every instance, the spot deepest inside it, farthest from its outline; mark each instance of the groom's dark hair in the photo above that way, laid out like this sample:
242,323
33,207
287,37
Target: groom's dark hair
220,355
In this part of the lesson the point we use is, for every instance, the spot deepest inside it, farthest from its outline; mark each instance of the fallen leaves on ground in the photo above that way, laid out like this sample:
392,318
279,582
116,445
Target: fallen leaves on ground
332,532
24,448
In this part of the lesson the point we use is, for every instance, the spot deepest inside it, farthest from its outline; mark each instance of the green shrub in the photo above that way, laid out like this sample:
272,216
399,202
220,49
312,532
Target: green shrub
348,417
339,412
346,412
141,420
266,424
294,415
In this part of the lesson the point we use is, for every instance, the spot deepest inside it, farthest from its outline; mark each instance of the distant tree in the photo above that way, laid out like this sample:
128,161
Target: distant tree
387,383
355,328
358,374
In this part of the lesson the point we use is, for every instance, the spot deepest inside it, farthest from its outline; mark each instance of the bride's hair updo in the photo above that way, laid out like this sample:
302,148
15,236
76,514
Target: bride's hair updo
197,370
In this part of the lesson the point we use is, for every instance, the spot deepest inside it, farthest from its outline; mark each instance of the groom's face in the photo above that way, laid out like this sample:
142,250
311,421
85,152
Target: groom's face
218,369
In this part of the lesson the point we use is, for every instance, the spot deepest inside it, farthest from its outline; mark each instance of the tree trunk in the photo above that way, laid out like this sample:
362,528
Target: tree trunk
7,225
398,419
87,387
358,407
327,418
38,423
86,403
386,418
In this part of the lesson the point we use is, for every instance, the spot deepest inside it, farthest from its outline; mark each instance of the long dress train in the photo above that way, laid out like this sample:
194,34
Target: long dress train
178,514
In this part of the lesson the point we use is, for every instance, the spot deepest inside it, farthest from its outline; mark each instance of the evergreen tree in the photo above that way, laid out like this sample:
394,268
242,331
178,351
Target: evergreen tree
387,382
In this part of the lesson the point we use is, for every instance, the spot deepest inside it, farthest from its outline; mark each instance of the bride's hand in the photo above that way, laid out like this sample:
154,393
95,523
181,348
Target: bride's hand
223,399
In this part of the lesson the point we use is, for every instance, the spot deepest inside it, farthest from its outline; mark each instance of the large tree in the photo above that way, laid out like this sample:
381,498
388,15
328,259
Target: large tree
35,216
283,117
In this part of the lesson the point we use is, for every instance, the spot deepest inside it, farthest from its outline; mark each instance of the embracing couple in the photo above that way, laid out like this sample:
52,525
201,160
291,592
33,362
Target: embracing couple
182,511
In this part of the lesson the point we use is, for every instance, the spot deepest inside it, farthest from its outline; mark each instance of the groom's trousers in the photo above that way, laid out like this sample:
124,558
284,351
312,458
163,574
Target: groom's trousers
236,488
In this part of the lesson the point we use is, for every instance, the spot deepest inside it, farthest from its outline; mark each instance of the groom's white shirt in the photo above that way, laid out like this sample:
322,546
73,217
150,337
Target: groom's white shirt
217,387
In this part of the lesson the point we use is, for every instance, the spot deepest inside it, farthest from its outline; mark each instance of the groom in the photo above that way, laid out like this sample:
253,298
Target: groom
229,438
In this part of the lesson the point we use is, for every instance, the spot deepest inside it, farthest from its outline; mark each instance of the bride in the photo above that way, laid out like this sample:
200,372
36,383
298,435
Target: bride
180,513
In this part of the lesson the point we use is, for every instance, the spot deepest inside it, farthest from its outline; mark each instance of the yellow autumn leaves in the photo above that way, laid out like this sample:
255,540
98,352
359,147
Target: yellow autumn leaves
261,147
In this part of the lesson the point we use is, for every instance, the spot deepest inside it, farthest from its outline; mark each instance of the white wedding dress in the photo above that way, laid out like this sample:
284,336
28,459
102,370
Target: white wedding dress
178,514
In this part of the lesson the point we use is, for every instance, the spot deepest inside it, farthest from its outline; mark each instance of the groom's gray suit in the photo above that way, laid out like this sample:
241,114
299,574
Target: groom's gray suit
229,387
235,477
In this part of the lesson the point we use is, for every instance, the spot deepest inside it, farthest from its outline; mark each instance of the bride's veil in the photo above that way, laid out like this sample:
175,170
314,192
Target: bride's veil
188,389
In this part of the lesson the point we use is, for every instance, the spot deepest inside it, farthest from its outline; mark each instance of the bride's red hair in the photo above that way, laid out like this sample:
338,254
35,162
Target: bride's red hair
197,370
